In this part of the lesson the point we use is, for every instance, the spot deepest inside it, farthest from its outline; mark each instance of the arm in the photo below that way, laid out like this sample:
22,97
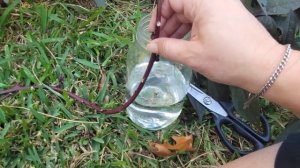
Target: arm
229,46
264,158
285,90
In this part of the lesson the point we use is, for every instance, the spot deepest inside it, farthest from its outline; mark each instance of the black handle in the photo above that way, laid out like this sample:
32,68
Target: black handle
266,134
220,121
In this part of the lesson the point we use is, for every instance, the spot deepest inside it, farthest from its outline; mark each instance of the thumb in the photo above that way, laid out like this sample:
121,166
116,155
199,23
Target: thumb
176,50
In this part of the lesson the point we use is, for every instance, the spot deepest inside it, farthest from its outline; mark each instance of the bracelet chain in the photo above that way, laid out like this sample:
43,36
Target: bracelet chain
272,78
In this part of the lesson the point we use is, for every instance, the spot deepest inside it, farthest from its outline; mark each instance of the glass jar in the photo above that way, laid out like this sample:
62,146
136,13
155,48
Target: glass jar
160,102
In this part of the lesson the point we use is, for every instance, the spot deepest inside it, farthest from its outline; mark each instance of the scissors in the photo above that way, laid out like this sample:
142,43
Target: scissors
223,115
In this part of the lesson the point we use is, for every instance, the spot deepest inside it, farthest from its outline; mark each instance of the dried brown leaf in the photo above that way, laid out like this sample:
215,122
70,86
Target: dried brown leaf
102,81
160,150
182,143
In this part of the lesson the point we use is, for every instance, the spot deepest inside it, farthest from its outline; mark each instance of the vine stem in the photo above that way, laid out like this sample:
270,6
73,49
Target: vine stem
154,57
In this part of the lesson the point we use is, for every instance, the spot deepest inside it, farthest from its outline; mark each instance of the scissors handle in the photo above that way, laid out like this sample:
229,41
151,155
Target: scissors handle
264,137
220,121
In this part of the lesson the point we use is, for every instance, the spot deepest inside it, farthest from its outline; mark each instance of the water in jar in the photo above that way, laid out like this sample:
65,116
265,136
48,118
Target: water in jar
160,101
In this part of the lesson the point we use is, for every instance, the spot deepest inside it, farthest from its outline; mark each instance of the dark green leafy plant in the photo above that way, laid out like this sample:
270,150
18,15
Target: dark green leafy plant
281,18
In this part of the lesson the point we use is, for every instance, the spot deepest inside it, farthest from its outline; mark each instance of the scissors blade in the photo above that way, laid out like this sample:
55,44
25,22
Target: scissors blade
206,100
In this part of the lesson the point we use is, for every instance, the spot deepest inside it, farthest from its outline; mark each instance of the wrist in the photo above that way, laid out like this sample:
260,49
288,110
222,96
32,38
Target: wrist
285,90
265,60
272,78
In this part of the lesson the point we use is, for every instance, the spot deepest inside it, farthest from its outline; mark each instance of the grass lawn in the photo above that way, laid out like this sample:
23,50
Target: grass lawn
42,41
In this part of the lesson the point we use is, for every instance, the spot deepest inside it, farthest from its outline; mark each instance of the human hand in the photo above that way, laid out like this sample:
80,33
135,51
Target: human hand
228,45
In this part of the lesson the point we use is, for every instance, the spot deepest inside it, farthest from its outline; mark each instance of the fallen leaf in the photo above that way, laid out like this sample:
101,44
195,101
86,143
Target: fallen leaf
182,143
160,150
102,81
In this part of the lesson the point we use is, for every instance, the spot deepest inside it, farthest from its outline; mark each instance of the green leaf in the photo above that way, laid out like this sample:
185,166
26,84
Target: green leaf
2,85
42,96
239,97
119,163
52,40
104,89
72,135
4,61
64,109
297,12
99,140
288,26
33,155
87,63
113,79
92,17
272,7
64,128
37,115
78,8
199,80
43,14
270,24
199,108
297,43
252,6
218,91
293,127
44,59
65,55
7,55
280,7
263,6
4,16
54,17
28,74
2,116
5,130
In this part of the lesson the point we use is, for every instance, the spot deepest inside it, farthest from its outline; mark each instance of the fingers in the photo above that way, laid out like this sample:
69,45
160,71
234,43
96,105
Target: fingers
152,20
181,31
186,8
171,26
176,50
166,13
173,16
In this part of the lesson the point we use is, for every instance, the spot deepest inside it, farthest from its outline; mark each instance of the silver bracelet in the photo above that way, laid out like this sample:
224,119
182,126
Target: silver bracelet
272,78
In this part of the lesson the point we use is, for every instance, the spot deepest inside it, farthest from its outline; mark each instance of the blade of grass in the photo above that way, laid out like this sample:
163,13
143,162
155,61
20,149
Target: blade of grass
33,155
7,55
28,74
32,110
65,55
87,63
43,14
104,88
94,15
2,116
5,130
5,15
2,85
114,80
64,128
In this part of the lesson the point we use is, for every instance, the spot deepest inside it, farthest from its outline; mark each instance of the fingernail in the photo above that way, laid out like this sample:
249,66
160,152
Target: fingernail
152,47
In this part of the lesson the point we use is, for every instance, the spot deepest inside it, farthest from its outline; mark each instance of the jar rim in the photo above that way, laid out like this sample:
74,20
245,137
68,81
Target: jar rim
143,34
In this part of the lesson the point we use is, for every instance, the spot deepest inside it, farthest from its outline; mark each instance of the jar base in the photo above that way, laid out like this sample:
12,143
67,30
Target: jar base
154,118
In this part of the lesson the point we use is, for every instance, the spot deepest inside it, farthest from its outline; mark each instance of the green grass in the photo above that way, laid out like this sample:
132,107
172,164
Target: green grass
39,128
